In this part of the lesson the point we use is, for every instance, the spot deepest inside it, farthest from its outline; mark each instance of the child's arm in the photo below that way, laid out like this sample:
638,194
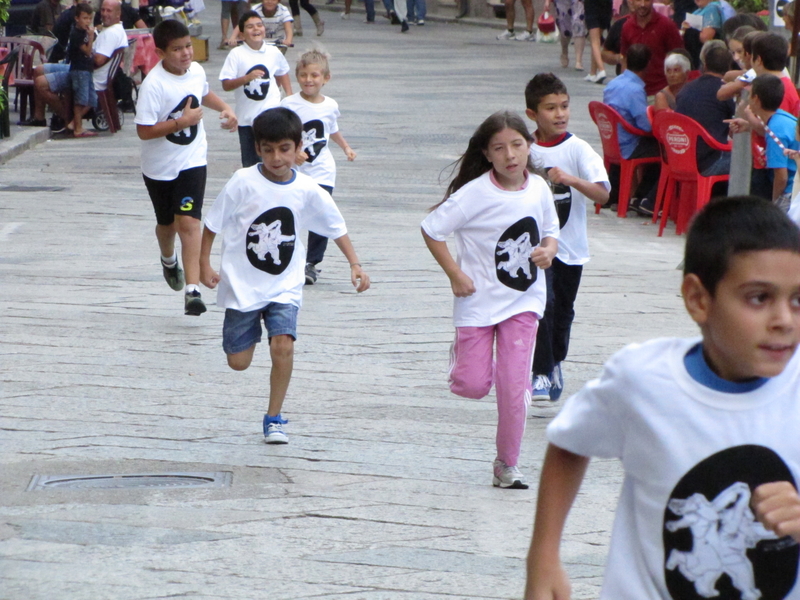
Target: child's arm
732,76
226,114
562,474
780,177
358,276
208,276
543,255
231,84
87,47
288,31
285,82
460,282
729,90
339,139
596,192
190,116
777,507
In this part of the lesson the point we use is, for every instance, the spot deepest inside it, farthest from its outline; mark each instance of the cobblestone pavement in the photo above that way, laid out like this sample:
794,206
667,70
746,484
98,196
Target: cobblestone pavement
384,491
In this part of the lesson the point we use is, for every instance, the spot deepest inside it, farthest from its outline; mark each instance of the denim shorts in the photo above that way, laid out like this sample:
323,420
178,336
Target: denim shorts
83,92
241,330
57,76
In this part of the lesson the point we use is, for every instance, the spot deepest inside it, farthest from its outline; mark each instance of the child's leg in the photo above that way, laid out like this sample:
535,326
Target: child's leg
471,365
543,361
241,331
516,337
77,118
190,232
187,199
566,280
247,146
281,351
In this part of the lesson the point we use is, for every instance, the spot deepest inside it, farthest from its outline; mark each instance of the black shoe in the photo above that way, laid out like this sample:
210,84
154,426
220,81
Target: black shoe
33,123
173,276
393,18
57,124
193,304
311,274
646,207
404,27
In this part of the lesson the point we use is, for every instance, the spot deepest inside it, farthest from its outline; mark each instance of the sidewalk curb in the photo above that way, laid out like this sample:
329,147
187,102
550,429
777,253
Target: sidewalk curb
22,140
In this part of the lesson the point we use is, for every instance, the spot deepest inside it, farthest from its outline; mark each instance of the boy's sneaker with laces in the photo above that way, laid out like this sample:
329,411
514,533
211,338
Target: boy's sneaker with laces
541,387
525,36
312,273
556,383
508,477
173,276
508,34
273,430
193,304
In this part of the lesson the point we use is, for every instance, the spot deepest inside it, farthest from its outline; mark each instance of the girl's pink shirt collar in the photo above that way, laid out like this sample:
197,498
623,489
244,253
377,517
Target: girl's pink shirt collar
493,179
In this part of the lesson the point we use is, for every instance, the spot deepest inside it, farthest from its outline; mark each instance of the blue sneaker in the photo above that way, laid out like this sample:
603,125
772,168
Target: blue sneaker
541,387
273,430
556,383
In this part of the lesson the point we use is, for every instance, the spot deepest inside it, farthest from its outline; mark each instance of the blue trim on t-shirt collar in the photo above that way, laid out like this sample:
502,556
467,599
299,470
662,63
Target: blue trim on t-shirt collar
261,170
698,369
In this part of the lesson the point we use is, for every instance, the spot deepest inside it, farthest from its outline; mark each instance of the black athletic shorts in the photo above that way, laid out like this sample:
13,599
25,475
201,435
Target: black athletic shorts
598,13
180,196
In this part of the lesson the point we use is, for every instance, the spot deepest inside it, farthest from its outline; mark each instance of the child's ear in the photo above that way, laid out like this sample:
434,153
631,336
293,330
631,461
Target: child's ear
696,298
531,114
160,53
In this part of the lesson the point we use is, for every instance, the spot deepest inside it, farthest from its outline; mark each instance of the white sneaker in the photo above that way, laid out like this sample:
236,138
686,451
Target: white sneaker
600,77
526,36
541,388
345,16
508,477
506,35
590,78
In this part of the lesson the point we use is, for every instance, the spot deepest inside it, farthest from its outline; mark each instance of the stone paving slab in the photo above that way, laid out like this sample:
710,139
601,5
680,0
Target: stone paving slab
384,490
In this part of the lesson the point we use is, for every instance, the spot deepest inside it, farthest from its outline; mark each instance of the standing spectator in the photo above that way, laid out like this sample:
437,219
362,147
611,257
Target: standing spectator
525,36
655,31
417,10
598,18
231,11
698,100
313,12
80,69
572,26
693,38
610,52
44,17
277,22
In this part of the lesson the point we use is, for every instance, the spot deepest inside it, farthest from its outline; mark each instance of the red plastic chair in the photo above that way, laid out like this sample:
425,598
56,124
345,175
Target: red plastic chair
680,135
31,54
607,120
106,100
663,178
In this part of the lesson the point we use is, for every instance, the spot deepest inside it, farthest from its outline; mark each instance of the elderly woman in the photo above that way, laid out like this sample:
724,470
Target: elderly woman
676,67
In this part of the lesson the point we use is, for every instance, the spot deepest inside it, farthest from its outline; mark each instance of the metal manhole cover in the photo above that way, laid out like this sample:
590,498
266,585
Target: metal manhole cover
31,188
131,480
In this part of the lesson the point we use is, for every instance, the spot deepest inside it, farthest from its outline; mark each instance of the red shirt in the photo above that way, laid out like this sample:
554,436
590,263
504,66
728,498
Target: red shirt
660,35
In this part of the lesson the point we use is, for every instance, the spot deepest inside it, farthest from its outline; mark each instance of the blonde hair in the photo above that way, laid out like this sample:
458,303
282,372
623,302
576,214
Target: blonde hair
314,56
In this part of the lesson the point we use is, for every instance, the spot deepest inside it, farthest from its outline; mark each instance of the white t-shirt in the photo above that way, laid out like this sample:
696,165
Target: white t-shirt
260,94
274,24
495,233
319,123
263,257
692,457
162,97
106,42
577,158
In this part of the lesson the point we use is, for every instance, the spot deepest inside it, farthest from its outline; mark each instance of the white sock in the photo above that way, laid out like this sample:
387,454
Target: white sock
190,287
170,261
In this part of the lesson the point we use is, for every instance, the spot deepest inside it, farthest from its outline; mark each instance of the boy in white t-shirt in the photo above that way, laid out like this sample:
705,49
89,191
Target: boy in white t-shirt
169,121
319,115
706,429
260,213
255,70
579,178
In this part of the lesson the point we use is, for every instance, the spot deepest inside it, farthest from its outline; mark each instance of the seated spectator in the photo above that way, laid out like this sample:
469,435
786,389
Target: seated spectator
676,68
129,17
44,17
80,68
626,95
698,100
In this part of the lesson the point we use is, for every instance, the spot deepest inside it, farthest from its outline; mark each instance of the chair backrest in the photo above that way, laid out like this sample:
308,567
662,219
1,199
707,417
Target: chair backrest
9,63
607,120
31,54
114,62
679,135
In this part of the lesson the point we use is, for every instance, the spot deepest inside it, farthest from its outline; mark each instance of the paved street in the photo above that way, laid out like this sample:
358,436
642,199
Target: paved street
384,491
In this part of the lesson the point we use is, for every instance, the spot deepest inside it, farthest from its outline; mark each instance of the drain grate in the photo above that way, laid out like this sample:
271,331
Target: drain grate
132,480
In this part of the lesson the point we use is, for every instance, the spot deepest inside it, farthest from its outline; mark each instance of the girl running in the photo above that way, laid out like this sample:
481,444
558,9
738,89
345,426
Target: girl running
506,228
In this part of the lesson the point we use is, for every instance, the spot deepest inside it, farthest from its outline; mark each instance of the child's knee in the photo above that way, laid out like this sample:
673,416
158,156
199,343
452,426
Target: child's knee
241,360
470,385
281,346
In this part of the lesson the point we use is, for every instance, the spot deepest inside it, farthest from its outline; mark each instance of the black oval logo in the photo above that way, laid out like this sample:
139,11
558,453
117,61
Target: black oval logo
258,88
512,255
183,137
270,240
313,139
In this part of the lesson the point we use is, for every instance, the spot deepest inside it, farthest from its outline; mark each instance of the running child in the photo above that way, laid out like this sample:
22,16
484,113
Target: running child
320,116
169,121
81,66
705,427
579,179
260,213
277,22
255,70
506,228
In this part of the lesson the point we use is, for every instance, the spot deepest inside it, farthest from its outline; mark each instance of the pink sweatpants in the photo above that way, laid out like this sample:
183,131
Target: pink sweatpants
473,370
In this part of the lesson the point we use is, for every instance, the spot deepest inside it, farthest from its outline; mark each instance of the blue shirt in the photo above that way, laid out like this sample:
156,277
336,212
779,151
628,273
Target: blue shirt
626,95
784,126
712,15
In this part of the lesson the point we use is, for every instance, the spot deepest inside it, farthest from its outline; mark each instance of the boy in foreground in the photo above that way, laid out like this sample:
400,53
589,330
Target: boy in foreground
260,213
169,121
706,430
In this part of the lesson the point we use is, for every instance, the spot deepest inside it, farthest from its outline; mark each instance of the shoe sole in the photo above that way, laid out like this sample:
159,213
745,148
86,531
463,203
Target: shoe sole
541,396
280,441
177,285
195,310
310,281
517,485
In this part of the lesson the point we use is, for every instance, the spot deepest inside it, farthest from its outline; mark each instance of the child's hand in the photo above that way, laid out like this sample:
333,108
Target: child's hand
543,256
462,285
229,120
359,278
208,276
351,155
257,74
300,158
777,507
737,125
793,154
548,584
194,115
556,175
